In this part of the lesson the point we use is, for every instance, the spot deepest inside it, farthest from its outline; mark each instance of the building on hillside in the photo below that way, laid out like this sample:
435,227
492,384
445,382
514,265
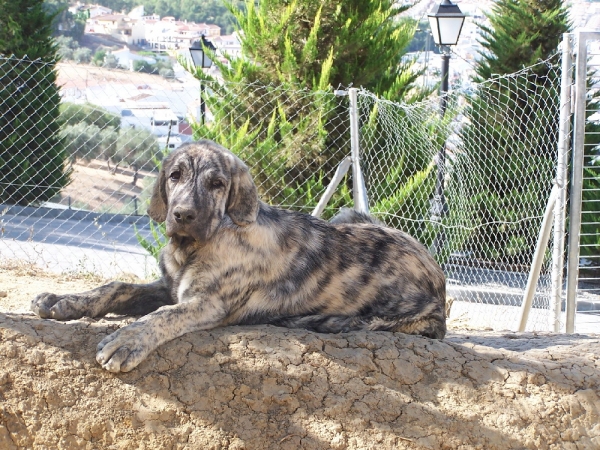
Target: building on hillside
126,58
164,122
154,116
137,12
228,45
171,34
119,26
164,34
91,10
106,24
171,143
170,130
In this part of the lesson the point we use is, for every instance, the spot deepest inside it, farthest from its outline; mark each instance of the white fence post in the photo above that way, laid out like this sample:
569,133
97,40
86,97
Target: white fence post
538,258
335,181
576,180
564,134
359,191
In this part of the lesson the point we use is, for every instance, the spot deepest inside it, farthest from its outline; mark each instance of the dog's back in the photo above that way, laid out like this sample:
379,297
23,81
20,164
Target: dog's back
349,274
347,215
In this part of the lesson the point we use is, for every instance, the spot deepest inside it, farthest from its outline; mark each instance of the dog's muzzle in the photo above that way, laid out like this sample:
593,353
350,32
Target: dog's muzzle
181,221
184,216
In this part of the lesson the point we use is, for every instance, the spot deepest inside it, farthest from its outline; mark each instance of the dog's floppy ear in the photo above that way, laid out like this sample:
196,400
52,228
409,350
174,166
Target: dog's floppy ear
242,205
158,202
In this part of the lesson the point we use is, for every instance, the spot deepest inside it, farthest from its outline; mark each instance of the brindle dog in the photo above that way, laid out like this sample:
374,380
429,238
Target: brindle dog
232,259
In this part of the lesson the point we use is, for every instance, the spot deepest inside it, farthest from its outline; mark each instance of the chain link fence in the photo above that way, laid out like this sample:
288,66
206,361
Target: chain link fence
589,264
113,126
499,139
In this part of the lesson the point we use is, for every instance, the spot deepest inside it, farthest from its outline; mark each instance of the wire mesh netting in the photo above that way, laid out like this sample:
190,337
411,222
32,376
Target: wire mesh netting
292,141
102,132
108,130
498,141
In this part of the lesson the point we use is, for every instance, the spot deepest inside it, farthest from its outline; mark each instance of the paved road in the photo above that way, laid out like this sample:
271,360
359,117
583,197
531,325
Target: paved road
76,245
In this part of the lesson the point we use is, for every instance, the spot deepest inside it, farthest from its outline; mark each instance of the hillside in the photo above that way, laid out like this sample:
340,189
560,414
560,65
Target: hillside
95,188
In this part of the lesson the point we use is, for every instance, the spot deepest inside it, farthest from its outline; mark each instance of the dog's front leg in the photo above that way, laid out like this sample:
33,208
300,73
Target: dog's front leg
126,348
115,297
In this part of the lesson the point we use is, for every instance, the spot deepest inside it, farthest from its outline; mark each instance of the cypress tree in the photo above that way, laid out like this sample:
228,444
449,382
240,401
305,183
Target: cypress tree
521,33
32,155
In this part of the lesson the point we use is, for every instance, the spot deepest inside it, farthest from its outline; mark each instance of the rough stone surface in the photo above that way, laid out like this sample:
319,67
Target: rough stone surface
273,388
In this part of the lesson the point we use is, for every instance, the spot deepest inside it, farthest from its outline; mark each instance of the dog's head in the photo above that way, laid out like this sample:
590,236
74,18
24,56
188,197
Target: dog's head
198,184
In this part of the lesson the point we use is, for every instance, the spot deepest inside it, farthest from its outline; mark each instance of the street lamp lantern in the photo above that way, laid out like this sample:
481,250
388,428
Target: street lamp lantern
446,21
202,61
199,57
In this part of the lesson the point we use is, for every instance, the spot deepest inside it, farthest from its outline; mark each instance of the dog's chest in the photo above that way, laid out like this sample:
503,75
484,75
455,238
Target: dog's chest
188,272
173,261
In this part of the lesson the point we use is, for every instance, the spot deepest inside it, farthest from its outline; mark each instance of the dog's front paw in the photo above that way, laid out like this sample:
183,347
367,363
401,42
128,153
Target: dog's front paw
59,307
123,350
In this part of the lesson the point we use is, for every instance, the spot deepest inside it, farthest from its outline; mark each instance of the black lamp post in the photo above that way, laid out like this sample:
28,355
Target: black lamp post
446,21
201,61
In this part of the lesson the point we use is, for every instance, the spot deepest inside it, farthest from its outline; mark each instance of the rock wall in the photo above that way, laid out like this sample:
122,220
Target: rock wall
273,388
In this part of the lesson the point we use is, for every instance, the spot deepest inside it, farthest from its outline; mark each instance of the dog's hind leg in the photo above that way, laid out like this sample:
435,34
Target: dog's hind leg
322,323
115,297
433,327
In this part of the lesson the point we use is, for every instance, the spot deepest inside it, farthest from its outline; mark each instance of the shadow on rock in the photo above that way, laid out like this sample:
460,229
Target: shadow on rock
267,387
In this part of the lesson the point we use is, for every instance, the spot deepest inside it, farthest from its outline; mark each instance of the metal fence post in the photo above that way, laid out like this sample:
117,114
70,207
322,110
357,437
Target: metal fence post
339,175
576,181
564,134
359,191
538,258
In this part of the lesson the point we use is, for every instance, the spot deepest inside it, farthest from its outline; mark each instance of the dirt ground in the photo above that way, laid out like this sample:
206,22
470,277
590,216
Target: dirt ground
95,188
21,281
265,387
83,76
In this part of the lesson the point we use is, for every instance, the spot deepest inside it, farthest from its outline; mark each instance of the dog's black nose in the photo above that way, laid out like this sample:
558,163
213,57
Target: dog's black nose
183,215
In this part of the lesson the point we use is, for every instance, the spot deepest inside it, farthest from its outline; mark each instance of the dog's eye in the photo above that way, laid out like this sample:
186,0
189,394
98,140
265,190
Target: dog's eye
216,184
175,176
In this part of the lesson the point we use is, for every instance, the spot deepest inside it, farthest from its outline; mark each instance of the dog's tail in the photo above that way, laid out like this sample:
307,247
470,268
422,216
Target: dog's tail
430,326
347,215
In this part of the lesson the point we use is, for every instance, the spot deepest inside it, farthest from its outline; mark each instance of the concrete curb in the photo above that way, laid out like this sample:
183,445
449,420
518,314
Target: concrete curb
472,294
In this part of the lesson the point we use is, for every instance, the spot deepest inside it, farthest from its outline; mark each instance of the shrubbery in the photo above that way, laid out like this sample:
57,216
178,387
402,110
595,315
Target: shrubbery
32,153
90,132
74,113
82,55
162,67
510,141
276,109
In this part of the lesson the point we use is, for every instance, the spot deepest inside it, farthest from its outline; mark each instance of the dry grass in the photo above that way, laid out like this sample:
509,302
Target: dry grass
95,188
21,281
83,76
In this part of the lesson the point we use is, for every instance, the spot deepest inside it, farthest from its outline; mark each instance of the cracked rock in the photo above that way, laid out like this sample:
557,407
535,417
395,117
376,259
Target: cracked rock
265,387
